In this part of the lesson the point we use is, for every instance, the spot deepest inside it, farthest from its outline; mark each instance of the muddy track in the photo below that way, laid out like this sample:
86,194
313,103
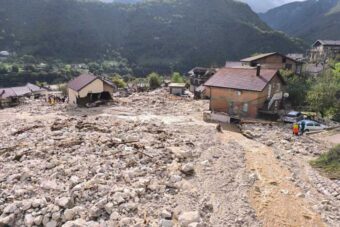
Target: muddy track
277,201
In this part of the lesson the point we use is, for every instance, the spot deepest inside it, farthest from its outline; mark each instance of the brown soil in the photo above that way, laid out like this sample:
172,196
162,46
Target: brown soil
273,196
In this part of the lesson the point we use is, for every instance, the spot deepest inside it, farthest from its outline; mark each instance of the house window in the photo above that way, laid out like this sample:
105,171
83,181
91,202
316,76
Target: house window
284,60
289,66
269,91
239,93
245,107
278,87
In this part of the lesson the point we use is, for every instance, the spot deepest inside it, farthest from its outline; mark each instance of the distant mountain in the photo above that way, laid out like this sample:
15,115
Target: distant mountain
310,20
261,6
158,35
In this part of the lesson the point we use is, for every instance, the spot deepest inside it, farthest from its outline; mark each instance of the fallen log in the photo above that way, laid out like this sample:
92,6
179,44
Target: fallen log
20,131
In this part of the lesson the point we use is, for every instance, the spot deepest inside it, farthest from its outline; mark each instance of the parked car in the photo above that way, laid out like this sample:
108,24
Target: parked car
292,117
312,125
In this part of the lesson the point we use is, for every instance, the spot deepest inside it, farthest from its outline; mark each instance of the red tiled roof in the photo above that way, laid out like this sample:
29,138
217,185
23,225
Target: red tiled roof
81,81
241,78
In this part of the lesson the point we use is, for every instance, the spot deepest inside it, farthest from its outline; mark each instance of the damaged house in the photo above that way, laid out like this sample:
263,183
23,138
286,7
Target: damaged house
246,92
198,76
8,98
88,88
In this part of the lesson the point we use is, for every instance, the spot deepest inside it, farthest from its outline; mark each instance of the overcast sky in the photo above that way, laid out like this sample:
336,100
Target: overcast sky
265,5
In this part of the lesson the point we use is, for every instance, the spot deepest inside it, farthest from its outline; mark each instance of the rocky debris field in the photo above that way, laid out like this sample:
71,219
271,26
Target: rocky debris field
134,164
147,160
295,153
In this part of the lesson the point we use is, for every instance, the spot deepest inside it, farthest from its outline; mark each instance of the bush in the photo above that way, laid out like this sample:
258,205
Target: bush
15,68
177,78
155,80
118,80
329,163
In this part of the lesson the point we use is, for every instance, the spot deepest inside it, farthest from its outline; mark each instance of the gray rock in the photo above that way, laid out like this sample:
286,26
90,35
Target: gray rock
187,218
65,202
188,169
29,220
165,223
51,224
10,208
69,214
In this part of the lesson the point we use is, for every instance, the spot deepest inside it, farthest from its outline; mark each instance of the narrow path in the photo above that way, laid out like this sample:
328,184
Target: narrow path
276,200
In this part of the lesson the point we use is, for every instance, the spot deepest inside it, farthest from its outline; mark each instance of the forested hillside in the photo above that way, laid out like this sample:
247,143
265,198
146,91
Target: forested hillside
156,35
310,20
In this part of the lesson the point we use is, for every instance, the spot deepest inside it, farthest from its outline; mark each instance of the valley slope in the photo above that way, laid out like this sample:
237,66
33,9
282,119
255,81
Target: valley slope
309,20
154,36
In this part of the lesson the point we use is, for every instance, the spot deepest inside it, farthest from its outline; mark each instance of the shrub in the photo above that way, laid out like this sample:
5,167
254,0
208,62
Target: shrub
155,80
329,163
118,80
177,78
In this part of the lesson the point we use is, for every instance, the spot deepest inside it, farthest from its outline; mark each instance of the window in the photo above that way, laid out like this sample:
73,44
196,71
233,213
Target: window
289,66
269,91
310,124
245,107
278,87
317,124
239,93
284,60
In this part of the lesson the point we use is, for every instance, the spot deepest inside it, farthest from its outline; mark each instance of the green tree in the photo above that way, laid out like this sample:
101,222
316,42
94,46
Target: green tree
322,96
177,78
118,80
15,68
155,80
3,69
297,86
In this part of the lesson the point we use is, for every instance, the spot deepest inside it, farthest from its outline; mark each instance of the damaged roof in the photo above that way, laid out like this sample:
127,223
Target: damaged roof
7,93
242,78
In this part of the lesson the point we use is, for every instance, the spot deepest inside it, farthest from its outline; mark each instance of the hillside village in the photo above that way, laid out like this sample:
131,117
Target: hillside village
186,113
212,151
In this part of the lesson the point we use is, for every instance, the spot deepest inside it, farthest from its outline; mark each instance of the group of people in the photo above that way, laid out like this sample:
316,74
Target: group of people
55,99
298,129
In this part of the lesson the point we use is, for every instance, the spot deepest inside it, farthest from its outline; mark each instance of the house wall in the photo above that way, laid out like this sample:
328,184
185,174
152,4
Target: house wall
177,90
109,89
96,86
276,62
72,96
240,102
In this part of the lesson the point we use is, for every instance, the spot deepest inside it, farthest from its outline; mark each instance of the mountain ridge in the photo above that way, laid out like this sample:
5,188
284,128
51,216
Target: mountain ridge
155,35
309,20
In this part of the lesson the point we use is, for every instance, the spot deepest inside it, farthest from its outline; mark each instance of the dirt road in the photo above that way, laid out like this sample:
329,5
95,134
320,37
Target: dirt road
277,201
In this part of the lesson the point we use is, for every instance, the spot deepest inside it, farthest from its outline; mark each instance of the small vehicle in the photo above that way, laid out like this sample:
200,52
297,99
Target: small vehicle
312,125
292,117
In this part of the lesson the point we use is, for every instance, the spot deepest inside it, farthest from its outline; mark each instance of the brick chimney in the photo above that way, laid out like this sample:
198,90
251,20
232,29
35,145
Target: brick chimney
258,70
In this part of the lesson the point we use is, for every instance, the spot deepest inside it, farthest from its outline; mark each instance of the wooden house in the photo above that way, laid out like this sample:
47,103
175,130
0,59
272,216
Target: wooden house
274,61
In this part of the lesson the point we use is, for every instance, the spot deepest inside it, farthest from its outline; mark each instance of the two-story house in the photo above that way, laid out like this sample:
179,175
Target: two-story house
322,50
245,92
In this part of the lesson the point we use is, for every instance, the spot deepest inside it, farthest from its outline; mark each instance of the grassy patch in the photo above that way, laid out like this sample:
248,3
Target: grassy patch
329,163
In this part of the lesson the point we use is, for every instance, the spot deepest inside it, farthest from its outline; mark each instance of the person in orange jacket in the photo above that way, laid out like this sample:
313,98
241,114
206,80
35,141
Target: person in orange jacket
295,129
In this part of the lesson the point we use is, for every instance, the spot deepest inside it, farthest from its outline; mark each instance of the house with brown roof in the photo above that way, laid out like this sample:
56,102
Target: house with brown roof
322,50
246,92
88,88
274,61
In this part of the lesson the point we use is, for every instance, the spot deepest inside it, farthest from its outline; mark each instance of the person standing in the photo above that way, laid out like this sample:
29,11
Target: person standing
295,129
303,126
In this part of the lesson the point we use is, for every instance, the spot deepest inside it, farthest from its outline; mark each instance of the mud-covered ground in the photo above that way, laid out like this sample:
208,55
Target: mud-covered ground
150,160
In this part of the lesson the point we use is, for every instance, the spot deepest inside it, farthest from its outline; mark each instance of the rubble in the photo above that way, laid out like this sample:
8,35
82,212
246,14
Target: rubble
141,162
